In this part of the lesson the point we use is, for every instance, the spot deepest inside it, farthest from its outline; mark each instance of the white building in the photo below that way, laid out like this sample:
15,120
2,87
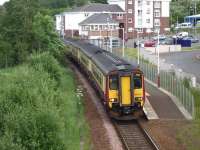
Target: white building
68,22
144,15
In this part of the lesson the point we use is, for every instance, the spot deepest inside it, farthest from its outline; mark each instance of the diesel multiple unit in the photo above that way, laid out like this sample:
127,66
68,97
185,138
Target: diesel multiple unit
120,84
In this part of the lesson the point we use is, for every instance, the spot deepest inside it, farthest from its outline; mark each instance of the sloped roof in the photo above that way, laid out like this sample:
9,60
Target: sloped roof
98,19
98,8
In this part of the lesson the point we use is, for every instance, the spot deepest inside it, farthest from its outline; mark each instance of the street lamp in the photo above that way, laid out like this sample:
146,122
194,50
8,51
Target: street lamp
100,42
138,48
158,51
107,33
111,40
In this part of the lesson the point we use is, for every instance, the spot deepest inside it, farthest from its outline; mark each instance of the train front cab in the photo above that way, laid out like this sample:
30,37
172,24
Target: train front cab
126,94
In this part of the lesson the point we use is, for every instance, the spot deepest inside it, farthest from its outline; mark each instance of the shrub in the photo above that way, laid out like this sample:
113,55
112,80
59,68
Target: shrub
35,111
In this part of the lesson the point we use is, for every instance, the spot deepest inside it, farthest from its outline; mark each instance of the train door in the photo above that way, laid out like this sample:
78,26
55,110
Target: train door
126,90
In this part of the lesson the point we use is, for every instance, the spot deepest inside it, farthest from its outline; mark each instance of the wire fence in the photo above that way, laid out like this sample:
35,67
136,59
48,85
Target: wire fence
168,80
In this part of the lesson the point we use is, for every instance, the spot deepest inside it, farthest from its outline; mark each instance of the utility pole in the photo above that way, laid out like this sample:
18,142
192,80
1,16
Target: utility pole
111,44
195,20
107,46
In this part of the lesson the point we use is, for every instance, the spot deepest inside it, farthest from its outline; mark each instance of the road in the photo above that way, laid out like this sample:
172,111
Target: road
187,61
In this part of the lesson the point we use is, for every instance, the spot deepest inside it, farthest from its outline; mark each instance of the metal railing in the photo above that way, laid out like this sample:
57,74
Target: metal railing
168,82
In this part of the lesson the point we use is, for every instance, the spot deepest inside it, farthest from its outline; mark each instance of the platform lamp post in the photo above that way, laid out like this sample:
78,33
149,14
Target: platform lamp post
111,44
107,46
158,51
138,48
100,37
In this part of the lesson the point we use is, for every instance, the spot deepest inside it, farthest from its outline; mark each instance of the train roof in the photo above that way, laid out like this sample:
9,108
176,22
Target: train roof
105,60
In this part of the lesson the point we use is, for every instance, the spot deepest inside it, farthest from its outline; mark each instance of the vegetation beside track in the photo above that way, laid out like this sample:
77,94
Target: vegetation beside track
192,130
39,107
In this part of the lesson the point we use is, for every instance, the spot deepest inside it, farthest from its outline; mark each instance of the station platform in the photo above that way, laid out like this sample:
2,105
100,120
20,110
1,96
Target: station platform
160,106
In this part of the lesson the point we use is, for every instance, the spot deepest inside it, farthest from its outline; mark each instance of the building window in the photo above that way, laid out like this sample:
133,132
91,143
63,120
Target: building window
130,20
130,11
157,22
147,20
96,28
100,27
105,27
139,30
130,29
139,12
119,16
130,2
85,28
86,14
139,3
91,27
140,22
148,11
148,2
157,13
157,5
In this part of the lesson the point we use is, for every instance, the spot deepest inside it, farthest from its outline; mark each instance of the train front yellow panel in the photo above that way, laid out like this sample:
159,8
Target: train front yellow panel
113,94
138,92
126,90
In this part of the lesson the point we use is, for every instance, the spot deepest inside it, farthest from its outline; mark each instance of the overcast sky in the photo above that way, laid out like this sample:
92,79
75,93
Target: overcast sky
3,1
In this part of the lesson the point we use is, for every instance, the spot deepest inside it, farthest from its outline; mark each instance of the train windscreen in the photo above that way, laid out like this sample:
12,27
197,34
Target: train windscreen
113,82
137,81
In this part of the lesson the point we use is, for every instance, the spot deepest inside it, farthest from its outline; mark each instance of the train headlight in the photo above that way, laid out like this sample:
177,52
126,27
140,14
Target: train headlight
138,99
113,100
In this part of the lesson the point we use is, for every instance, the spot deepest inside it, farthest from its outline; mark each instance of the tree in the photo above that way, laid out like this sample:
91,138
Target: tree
45,37
182,8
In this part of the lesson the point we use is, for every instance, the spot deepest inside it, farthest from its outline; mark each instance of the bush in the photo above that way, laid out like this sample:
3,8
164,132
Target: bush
38,107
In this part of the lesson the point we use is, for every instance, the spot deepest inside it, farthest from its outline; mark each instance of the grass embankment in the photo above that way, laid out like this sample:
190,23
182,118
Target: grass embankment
193,48
131,52
189,135
39,108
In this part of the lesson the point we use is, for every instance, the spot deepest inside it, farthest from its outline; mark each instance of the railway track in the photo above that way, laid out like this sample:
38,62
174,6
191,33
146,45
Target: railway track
134,137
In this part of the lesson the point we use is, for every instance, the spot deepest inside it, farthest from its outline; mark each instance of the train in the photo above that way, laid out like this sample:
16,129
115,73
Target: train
119,83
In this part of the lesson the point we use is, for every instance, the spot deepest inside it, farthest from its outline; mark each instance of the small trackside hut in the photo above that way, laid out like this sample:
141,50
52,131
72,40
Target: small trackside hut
120,84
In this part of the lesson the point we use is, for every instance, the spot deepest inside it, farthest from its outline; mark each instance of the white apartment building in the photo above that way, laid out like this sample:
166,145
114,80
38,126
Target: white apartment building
144,16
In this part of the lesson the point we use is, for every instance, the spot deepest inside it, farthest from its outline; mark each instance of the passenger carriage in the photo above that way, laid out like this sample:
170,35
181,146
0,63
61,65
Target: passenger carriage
120,84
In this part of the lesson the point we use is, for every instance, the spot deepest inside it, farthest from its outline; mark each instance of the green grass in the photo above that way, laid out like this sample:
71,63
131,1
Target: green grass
196,47
39,107
131,52
192,130
189,135
196,93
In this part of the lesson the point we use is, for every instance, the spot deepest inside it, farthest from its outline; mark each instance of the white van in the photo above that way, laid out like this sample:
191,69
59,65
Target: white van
181,35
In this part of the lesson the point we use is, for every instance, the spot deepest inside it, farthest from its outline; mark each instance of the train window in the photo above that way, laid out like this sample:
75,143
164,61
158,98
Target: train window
113,82
137,81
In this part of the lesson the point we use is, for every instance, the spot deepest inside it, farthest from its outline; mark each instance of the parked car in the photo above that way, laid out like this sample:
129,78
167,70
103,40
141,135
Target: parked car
168,41
161,37
149,43
193,40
